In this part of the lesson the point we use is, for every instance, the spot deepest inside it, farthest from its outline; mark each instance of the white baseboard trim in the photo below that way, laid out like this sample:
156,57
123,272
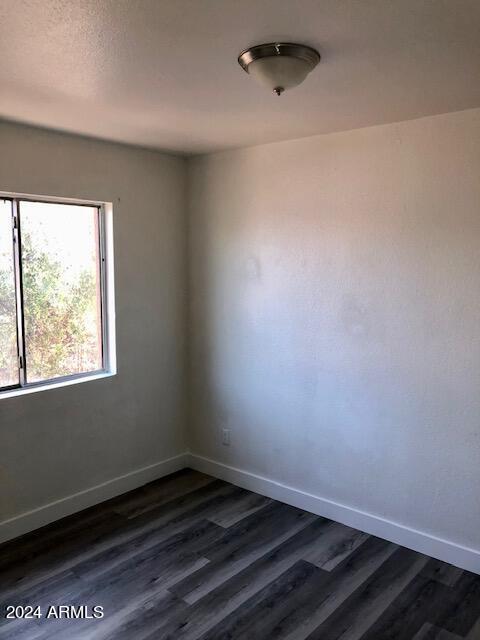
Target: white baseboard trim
445,550
48,513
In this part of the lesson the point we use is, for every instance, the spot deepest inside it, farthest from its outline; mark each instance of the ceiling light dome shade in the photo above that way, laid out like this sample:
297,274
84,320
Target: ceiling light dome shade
279,66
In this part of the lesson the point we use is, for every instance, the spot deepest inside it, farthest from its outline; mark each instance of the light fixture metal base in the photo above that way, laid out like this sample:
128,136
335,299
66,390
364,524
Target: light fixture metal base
290,49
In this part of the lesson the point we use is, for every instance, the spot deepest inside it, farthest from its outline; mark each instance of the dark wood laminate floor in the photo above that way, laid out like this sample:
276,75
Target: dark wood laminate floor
189,557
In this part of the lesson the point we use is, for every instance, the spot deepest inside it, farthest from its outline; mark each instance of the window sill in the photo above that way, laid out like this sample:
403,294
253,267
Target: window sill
12,393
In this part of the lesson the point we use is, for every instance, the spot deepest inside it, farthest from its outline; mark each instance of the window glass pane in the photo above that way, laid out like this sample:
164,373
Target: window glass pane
61,289
8,322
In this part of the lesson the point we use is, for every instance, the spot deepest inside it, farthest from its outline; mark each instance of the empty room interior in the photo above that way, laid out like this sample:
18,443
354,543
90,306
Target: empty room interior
240,320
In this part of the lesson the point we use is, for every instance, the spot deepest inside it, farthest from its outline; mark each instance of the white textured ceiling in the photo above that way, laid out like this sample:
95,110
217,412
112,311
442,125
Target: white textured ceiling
164,73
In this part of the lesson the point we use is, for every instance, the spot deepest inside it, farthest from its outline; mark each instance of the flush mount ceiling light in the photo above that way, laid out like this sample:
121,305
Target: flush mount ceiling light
279,65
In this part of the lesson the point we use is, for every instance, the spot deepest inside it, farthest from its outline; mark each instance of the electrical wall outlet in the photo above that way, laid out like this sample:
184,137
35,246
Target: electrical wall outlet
226,437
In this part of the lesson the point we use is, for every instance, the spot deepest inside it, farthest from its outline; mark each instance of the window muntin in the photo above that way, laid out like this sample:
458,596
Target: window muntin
9,373
58,252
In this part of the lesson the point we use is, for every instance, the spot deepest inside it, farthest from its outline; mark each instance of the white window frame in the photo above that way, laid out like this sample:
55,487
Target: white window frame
107,295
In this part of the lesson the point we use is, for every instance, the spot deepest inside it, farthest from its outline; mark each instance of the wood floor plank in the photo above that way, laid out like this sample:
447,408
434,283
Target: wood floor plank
51,590
35,568
154,561
140,533
136,586
103,546
442,572
46,538
342,582
157,494
199,618
106,539
417,604
431,632
122,594
241,545
256,530
242,508
107,628
31,630
342,542
214,575
288,609
43,540
462,607
140,573
262,617
474,633
360,611
145,621
187,542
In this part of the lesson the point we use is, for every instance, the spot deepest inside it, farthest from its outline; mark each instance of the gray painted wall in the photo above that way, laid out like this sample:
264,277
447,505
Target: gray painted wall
335,313
61,441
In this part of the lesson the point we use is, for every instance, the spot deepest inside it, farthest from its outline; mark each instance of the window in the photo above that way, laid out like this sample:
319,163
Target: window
53,298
